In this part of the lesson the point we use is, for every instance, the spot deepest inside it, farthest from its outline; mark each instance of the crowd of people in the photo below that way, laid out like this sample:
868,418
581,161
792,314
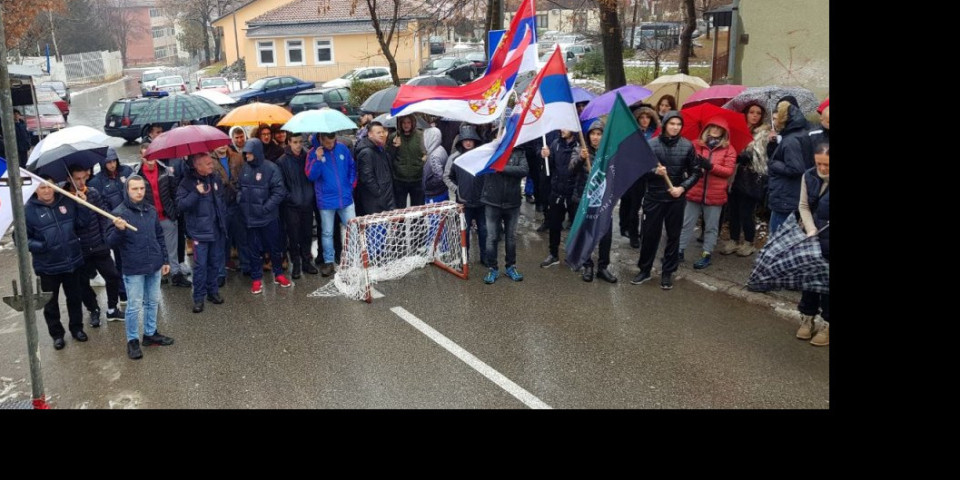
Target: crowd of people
251,206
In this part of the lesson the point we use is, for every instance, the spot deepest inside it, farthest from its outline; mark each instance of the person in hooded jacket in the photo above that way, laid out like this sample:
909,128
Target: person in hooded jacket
260,196
814,210
467,189
563,182
663,206
111,183
502,198
331,168
201,199
298,206
271,151
718,161
789,161
749,184
578,165
53,224
821,134
408,154
96,252
374,176
435,190
630,203
236,224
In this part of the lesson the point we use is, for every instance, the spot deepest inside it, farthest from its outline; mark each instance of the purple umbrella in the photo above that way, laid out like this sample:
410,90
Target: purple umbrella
582,95
604,103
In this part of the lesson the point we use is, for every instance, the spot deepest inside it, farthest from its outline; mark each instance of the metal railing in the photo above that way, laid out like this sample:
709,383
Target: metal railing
323,73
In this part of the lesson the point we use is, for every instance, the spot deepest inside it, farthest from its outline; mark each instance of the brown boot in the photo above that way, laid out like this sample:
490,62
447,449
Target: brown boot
326,269
822,338
727,247
806,327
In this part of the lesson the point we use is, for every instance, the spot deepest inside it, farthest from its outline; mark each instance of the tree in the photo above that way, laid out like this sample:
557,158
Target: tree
494,20
121,23
20,15
612,36
686,36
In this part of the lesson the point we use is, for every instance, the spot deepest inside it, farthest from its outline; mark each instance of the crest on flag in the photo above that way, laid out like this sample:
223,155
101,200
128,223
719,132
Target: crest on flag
488,104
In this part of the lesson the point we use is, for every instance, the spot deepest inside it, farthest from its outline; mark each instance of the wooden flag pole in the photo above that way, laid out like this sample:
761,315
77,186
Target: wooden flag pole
546,162
583,144
666,177
84,202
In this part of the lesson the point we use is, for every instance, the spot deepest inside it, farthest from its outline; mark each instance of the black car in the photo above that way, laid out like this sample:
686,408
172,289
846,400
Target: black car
122,115
437,46
460,69
335,98
277,90
479,60
61,88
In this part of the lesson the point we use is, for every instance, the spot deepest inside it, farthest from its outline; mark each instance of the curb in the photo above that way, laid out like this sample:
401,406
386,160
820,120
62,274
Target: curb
782,307
89,89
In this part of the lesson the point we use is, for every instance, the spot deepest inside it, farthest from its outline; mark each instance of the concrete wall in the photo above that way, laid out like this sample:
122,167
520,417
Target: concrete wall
242,16
789,44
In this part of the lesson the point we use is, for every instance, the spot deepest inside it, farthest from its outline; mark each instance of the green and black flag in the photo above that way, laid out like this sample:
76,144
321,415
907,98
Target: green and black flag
623,157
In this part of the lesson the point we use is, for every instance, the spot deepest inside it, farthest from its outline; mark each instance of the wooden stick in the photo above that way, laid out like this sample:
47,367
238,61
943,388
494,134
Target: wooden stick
546,162
583,144
85,203
666,177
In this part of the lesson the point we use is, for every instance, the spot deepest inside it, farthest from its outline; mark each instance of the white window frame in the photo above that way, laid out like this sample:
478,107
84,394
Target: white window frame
273,50
303,51
316,51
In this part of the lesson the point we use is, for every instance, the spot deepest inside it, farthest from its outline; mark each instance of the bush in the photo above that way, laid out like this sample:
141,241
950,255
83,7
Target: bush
590,64
361,91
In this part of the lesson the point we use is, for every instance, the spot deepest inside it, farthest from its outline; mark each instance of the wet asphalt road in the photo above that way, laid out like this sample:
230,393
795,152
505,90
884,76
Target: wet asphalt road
567,343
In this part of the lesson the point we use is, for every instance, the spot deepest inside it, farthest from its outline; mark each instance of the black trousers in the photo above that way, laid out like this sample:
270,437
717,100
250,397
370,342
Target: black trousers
740,211
119,264
401,189
557,210
605,242
71,289
299,228
656,217
100,262
181,239
543,189
812,303
630,204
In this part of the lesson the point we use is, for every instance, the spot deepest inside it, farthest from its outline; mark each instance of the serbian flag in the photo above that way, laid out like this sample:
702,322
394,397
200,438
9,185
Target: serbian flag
29,186
480,101
514,43
542,108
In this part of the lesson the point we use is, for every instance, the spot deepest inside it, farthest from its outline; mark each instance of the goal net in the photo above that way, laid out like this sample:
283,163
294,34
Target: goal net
388,245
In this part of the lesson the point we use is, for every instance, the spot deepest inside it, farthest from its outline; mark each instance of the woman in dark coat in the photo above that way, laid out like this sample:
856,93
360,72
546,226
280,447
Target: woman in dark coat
815,213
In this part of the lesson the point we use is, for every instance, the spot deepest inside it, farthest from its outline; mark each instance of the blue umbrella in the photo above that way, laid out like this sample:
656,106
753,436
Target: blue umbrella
604,103
582,95
324,120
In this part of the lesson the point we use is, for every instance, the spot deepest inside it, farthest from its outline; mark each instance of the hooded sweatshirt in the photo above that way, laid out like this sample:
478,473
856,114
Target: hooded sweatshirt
111,184
466,188
333,173
261,188
436,161
408,158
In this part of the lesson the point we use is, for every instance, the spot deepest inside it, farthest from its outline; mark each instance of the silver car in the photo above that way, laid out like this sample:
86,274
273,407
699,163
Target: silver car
172,84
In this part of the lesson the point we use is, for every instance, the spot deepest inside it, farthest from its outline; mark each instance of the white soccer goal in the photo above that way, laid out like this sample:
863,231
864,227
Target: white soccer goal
388,245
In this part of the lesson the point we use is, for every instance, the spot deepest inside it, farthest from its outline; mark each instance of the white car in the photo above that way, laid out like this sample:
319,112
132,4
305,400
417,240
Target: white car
364,74
173,85
148,81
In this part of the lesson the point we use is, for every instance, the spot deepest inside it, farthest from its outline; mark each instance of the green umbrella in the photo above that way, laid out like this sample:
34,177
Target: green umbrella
179,107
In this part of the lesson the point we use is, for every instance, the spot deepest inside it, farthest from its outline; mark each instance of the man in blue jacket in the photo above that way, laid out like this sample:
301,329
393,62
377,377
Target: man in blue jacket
200,197
298,206
261,192
52,225
147,261
111,183
334,174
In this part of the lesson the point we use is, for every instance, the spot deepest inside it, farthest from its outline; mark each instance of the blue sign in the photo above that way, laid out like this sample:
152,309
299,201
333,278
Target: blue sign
493,38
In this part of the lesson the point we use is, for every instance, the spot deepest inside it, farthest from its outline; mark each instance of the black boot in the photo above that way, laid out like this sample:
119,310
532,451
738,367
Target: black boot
588,273
308,267
296,272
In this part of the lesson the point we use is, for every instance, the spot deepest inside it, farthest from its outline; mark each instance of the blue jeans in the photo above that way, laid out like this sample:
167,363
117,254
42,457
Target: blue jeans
143,293
777,219
477,214
208,258
509,217
264,239
326,228
443,197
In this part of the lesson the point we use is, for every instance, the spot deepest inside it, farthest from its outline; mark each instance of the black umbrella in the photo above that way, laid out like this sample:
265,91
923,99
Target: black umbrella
381,101
179,107
433,81
391,122
57,162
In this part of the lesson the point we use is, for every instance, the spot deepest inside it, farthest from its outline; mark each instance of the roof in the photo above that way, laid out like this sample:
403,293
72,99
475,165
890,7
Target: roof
231,12
24,70
327,11
315,29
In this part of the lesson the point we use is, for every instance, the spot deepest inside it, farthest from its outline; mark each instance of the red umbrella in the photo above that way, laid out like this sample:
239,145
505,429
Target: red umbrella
716,95
183,141
698,117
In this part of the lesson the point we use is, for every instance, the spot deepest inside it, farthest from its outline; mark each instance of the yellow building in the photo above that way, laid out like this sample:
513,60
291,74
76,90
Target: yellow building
318,40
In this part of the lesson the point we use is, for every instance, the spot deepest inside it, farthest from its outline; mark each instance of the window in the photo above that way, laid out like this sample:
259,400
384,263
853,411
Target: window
265,54
157,32
287,82
272,84
171,32
542,21
295,52
325,51
154,12
160,52
334,96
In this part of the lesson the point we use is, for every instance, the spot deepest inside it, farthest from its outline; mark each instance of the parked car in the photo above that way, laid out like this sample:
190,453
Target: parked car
61,88
148,81
576,52
364,74
122,115
437,45
49,95
313,99
479,60
218,84
51,120
460,69
172,84
278,90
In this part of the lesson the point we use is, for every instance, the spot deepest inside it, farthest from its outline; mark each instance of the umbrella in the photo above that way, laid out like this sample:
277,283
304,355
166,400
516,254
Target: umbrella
604,103
56,162
68,135
715,95
324,120
791,260
179,107
769,95
215,97
696,118
391,122
183,141
254,114
680,86
433,81
582,95
380,101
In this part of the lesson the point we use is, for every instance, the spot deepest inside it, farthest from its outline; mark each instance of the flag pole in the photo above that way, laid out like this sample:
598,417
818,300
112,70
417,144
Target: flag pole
666,177
546,163
82,202
583,144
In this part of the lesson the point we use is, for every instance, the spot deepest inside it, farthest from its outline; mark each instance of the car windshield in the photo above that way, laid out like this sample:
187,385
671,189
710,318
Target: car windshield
45,109
258,85
310,98
151,76
213,82
349,75
476,57
169,81
440,63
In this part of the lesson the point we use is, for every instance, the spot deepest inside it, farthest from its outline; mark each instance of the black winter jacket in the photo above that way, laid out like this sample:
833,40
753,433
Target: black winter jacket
792,157
300,190
261,188
683,166
93,234
111,188
52,234
563,179
143,251
502,190
205,215
374,178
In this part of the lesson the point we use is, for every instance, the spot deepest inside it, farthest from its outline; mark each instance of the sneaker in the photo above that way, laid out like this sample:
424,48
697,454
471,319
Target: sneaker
309,268
326,269
116,316
514,274
157,339
179,280
805,332
746,249
282,281
640,278
549,261
605,275
491,276
257,287
822,338
296,272
133,350
95,318
666,281
80,336
198,307
216,299
727,247
587,273
704,261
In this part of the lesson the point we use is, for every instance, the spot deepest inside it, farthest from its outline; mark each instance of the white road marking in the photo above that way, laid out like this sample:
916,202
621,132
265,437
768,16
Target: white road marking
494,376
376,293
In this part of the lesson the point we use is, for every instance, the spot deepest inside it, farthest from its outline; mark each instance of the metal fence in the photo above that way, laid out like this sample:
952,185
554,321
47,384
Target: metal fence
323,73
89,67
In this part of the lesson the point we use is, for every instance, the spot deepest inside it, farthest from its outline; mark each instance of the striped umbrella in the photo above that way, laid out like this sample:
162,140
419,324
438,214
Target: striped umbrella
175,108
